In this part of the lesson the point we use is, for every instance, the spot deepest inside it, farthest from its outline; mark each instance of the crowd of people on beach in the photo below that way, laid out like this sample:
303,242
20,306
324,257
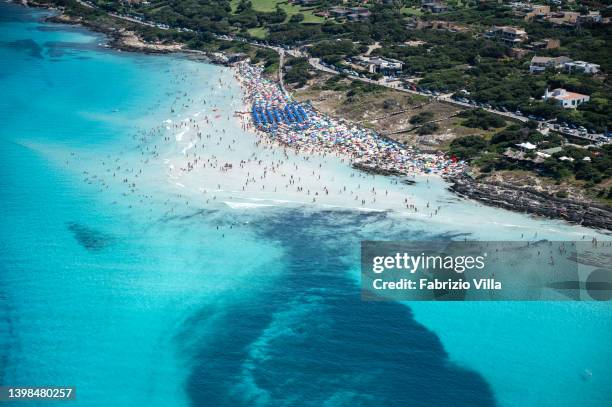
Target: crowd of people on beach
300,126
288,159
196,151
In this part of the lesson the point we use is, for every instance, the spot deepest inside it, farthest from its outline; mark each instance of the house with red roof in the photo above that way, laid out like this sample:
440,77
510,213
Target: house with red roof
569,100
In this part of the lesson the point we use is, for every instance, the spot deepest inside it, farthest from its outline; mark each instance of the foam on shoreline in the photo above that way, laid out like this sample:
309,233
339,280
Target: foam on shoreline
213,157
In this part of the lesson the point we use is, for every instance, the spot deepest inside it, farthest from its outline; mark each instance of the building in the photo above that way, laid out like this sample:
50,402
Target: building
359,14
385,66
527,157
568,100
339,12
553,150
563,18
414,43
540,64
582,67
593,17
305,2
547,43
510,36
351,14
535,12
527,146
434,7
417,24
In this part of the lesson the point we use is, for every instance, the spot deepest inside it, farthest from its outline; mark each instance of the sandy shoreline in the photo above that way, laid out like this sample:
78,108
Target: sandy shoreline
129,41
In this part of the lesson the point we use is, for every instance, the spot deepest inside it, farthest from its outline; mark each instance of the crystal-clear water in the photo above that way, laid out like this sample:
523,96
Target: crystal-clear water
185,289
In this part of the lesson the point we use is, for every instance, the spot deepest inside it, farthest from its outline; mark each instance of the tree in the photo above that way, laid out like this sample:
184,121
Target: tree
428,128
480,118
296,18
297,71
468,147
421,118
553,168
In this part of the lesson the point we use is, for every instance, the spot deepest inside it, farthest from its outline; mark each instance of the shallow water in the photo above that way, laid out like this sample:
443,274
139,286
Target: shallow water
178,288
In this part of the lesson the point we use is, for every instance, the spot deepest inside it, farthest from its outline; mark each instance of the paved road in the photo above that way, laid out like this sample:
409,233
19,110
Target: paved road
122,17
134,20
316,63
281,63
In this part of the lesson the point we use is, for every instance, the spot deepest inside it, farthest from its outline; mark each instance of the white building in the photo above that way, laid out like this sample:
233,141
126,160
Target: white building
540,64
386,66
569,100
581,66
527,146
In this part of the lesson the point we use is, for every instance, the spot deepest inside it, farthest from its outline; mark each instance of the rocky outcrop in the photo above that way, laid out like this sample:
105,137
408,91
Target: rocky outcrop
529,200
374,169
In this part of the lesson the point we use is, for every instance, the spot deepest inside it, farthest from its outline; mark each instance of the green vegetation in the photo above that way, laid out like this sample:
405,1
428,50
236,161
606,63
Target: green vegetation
451,62
467,148
411,11
296,71
332,52
428,128
291,10
336,83
358,89
258,32
481,119
264,5
354,90
484,71
255,13
481,70
591,166
269,58
421,118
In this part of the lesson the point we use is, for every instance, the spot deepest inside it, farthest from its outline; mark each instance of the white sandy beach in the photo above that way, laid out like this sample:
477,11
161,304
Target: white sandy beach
205,154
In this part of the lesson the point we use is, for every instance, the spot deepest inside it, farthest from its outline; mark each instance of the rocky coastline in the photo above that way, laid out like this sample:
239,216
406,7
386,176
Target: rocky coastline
528,200
122,39
373,169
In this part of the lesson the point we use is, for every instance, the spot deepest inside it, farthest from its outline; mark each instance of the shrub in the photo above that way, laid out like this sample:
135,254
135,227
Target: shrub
468,147
421,118
428,128
296,18
480,118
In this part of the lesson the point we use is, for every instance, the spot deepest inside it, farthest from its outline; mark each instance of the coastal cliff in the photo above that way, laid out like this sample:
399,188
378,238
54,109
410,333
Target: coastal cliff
529,200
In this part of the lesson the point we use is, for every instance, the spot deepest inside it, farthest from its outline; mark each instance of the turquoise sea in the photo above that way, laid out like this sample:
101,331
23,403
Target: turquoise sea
141,292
